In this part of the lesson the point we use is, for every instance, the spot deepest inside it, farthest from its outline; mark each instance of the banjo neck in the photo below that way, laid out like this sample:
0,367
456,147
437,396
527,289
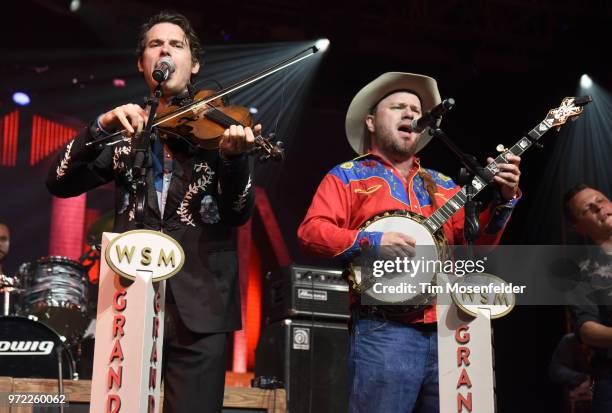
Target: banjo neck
570,108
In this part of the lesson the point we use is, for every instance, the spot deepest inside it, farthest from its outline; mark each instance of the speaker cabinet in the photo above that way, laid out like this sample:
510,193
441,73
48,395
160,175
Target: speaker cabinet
310,358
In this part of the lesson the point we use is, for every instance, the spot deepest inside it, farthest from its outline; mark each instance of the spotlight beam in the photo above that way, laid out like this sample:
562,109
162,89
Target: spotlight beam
322,44
585,81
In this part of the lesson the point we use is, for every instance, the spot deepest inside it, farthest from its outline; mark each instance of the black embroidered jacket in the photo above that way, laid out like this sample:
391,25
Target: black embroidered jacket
207,198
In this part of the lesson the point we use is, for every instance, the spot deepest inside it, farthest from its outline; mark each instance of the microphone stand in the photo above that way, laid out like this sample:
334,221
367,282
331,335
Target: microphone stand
468,173
141,164
471,224
60,376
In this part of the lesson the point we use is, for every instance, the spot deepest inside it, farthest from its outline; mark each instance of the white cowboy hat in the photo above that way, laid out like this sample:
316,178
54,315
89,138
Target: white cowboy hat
424,86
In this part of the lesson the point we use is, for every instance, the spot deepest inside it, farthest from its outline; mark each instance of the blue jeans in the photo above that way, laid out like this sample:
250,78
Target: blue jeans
393,368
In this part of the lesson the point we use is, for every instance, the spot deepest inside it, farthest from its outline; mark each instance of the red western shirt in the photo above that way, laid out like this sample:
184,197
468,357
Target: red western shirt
355,191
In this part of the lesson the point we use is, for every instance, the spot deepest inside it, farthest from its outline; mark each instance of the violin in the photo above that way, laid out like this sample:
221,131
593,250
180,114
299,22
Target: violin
203,126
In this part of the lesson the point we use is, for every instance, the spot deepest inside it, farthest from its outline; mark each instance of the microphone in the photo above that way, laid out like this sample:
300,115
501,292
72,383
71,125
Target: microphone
431,117
163,69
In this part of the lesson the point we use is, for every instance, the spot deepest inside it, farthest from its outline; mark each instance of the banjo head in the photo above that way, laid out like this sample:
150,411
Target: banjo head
391,276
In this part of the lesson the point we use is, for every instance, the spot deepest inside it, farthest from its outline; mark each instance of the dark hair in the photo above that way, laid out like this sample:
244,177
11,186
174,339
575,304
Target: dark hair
181,21
569,194
373,108
6,225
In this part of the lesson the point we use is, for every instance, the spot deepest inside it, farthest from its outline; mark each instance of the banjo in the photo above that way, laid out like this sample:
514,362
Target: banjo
379,286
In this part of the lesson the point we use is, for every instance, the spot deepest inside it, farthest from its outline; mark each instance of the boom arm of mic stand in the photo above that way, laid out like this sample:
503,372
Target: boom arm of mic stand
470,164
471,224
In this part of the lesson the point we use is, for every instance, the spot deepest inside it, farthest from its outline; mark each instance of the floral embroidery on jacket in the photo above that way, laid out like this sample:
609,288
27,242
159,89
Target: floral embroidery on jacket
129,197
61,169
125,203
240,203
118,153
198,186
132,213
202,166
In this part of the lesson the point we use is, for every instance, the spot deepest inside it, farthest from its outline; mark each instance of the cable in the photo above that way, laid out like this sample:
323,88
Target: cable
312,348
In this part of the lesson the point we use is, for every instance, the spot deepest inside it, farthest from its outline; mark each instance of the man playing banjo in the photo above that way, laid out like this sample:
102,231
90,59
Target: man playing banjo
393,357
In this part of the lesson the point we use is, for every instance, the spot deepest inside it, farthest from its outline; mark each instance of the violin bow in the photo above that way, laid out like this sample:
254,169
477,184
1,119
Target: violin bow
197,105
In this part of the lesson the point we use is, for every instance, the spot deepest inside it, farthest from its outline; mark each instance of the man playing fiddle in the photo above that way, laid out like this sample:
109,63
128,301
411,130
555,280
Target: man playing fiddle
196,196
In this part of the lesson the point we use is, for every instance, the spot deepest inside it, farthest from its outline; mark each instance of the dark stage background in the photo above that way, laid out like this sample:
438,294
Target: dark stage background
506,63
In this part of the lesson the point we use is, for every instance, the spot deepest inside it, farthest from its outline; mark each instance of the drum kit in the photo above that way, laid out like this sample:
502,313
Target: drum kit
44,318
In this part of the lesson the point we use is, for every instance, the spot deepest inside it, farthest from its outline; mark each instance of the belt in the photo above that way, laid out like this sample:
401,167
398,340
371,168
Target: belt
397,314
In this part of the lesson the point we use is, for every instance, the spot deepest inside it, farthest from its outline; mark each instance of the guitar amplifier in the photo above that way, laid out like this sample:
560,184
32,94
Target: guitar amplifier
305,292
309,357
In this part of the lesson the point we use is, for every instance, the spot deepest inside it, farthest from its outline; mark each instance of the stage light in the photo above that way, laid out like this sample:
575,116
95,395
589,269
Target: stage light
253,110
75,5
322,44
21,98
585,81
579,155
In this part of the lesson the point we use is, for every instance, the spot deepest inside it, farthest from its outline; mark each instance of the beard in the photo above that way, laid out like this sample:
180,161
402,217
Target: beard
396,148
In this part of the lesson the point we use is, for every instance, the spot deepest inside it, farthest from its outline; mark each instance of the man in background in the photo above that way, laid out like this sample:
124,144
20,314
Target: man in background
590,212
5,243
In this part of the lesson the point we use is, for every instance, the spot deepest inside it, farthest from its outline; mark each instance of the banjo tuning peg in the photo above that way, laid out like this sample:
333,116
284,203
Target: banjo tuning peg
501,148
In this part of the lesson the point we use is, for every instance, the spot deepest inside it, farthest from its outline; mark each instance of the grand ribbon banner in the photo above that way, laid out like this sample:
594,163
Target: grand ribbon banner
130,320
465,351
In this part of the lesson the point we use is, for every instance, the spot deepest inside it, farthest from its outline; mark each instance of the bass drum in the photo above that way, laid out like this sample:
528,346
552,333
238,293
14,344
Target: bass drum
29,349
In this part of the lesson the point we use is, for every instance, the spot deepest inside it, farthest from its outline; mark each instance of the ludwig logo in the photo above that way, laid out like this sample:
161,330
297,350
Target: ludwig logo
21,348
145,250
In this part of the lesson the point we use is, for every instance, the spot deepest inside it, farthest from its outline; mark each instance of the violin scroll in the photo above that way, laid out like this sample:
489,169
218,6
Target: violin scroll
265,149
